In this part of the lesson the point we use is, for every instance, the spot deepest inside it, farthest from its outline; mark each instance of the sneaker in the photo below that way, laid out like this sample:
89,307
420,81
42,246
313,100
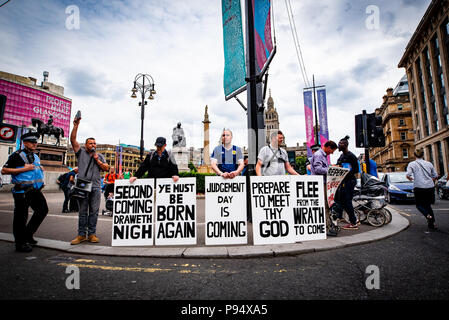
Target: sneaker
24,247
432,226
65,211
78,240
31,241
350,227
332,233
93,238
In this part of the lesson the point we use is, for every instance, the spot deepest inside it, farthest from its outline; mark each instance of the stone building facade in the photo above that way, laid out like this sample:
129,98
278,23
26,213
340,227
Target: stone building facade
396,112
426,61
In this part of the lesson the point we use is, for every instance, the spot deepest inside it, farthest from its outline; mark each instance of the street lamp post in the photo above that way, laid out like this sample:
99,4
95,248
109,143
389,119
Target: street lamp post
144,84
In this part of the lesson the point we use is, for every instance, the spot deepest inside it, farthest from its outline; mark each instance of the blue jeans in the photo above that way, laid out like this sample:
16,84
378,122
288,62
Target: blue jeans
344,200
88,214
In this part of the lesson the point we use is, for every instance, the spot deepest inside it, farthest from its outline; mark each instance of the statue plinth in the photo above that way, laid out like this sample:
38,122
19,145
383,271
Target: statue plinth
52,157
181,155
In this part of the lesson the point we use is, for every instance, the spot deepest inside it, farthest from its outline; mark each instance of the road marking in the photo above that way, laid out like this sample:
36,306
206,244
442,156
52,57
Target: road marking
141,269
111,268
63,216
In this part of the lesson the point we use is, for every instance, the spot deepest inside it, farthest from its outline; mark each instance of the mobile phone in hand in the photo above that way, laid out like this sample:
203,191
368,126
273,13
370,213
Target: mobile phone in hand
78,115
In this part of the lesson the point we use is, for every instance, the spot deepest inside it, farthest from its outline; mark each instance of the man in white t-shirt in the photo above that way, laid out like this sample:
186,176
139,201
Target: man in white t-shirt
273,160
423,175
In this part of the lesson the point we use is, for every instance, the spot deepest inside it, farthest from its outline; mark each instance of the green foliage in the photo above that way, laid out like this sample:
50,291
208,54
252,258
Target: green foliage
192,167
200,179
301,164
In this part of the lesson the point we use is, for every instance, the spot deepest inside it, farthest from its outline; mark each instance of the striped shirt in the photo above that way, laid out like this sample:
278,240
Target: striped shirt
423,173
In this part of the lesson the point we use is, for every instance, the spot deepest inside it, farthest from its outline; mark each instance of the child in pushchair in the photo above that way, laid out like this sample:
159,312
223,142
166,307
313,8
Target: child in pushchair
109,199
370,201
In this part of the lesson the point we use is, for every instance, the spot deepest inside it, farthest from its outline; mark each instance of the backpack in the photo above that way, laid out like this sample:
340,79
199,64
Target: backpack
153,153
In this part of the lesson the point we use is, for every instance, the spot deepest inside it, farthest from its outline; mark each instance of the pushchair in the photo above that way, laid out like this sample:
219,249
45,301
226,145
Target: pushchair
109,200
370,202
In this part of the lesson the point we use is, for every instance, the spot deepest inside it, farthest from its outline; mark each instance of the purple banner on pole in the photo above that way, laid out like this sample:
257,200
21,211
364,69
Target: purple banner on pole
308,114
322,111
262,26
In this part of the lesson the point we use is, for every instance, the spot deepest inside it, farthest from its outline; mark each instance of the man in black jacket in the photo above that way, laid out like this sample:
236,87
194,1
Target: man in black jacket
159,164
346,191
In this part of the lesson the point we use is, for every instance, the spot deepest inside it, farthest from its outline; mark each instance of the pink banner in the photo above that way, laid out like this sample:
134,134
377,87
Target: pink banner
25,103
308,114
262,26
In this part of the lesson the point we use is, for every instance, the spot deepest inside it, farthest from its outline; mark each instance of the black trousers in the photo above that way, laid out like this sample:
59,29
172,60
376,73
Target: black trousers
22,201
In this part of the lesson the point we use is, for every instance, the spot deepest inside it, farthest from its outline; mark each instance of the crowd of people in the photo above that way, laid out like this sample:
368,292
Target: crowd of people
82,186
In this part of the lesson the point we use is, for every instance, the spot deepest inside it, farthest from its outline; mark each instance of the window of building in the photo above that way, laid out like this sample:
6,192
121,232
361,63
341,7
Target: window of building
403,135
429,149
440,158
401,122
423,98
400,107
433,109
405,153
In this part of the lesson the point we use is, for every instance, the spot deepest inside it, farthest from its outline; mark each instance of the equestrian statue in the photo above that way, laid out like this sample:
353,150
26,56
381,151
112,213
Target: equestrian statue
48,129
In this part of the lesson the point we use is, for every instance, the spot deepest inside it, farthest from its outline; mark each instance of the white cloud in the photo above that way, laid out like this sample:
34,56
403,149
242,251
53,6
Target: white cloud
180,44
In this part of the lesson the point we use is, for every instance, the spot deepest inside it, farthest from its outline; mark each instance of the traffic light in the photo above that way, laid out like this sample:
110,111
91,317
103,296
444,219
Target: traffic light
376,137
359,138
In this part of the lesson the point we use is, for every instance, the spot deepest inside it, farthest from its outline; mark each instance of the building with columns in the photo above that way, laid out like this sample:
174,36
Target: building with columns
426,61
396,112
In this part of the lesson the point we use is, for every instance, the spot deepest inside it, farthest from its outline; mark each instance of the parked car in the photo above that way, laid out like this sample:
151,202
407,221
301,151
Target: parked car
441,188
399,187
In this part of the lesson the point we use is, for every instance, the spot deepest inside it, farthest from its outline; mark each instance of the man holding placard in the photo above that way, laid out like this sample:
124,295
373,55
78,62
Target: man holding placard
90,164
319,165
273,160
227,159
159,163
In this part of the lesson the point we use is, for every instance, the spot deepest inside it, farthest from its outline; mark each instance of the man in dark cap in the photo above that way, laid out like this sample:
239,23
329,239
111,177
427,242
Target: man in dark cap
158,163
27,176
345,193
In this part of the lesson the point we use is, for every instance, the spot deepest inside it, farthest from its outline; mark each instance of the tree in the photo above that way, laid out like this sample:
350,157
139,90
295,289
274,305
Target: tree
301,164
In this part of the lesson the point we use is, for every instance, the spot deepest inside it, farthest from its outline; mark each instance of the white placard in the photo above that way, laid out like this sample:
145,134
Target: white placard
175,212
335,176
309,215
225,211
272,210
133,210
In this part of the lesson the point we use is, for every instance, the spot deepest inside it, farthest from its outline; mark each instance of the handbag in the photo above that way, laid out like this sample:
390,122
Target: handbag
82,187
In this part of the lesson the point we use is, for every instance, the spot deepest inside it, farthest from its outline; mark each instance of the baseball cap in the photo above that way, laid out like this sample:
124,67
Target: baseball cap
160,141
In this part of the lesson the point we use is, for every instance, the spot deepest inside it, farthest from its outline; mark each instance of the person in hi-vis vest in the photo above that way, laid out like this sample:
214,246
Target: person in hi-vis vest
27,175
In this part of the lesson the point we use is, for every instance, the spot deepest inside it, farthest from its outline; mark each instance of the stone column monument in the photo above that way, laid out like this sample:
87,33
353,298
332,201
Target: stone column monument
206,151
205,167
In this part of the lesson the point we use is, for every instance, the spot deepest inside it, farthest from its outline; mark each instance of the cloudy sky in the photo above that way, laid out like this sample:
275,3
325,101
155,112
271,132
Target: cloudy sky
180,44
